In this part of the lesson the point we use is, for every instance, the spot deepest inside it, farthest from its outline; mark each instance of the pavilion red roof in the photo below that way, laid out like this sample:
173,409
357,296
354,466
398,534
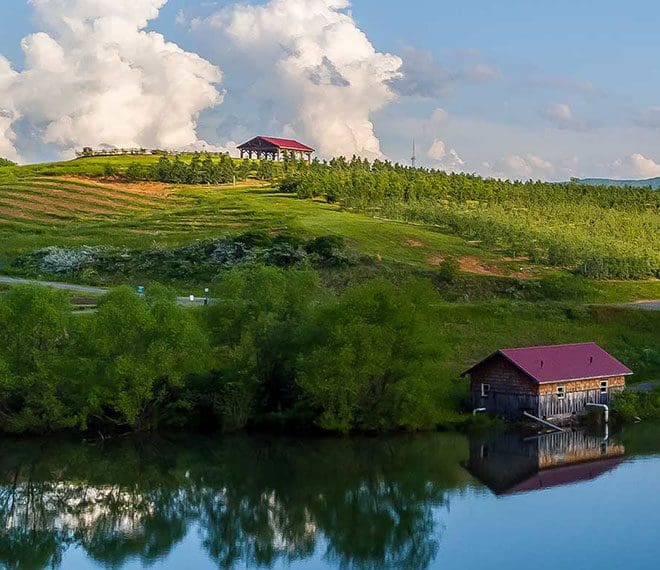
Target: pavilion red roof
565,362
288,144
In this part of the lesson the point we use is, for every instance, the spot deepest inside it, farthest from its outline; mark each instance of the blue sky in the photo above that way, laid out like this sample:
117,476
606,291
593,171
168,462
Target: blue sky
525,88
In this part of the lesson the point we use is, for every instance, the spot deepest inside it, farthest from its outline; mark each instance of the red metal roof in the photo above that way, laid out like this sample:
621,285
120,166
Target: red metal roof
564,362
288,144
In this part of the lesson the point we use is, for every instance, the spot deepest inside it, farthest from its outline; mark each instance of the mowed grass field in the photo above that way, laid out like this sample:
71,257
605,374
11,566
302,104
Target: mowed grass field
69,210
70,204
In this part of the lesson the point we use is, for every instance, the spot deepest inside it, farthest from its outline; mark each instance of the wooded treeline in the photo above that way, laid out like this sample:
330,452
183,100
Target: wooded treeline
275,348
600,232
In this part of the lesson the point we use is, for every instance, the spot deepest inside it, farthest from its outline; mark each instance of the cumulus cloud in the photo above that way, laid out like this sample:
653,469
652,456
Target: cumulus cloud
7,112
636,166
562,117
521,167
444,158
94,76
314,73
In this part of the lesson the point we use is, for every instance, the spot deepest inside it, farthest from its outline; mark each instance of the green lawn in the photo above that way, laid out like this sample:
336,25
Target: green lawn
472,331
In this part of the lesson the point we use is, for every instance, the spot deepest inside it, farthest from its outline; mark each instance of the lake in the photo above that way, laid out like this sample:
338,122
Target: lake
438,501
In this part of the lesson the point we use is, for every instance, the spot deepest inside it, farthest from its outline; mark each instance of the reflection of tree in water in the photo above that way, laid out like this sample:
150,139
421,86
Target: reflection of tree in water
256,501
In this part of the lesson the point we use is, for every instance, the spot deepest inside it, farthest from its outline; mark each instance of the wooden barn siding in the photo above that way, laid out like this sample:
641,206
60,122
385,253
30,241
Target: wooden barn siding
511,391
502,377
582,385
574,402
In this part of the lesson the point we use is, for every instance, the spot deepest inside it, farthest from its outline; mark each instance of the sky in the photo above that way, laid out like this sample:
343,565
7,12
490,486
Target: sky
512,89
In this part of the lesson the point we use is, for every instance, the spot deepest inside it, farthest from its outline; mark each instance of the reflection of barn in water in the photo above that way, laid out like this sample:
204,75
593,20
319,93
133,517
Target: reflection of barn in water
509,464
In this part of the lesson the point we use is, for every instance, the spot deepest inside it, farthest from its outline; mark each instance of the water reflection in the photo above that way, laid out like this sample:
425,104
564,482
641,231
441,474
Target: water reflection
261,501
255,500
510,463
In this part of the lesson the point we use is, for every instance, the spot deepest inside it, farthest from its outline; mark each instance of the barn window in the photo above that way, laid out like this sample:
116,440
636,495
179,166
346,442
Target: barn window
604,385
485,390
561,392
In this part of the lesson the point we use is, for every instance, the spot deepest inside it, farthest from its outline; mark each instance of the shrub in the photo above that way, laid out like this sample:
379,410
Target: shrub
256,238
61,261
6,162
628,406
449,270
566,287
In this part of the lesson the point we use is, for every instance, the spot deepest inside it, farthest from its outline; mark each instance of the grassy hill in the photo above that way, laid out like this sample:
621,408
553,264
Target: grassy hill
71,204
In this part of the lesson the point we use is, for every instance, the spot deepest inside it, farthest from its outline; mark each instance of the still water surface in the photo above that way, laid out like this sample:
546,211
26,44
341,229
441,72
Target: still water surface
439,501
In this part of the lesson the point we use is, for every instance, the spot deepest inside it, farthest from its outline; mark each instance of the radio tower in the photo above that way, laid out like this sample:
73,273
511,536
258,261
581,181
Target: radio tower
413,160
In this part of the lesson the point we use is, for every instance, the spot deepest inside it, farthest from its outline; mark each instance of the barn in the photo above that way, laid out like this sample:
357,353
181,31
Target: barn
549,382
272,148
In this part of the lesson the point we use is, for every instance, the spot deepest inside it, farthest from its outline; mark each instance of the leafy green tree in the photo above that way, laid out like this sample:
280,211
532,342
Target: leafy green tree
373,360
257,328
39,388
142,350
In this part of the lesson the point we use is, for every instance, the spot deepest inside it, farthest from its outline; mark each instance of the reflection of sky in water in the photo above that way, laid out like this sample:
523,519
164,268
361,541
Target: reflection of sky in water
608,523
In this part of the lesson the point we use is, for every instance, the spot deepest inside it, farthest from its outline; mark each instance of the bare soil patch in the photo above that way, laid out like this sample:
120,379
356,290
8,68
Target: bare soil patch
479,267
158,189
435,260
414,242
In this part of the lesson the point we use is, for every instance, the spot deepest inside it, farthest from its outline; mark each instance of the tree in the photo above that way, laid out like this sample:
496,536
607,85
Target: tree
373,360
257,331
141,350
39,389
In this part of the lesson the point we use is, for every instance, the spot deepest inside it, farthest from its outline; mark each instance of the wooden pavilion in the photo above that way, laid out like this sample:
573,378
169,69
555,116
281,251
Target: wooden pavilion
272,148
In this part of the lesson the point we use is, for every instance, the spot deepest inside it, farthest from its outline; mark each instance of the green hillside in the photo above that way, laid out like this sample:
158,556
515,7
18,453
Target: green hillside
74,204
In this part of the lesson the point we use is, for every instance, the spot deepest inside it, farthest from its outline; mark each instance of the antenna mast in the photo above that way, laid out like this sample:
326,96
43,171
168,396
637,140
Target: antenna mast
413,160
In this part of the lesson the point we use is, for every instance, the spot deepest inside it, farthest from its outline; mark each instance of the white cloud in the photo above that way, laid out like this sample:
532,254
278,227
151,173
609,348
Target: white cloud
483,71
562,117
521,167
636,166
439,115
445,159
7,112
95,76
310,68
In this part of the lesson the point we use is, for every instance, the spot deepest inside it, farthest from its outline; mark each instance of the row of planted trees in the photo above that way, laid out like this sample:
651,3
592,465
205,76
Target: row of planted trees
601,232
275,347
207,169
